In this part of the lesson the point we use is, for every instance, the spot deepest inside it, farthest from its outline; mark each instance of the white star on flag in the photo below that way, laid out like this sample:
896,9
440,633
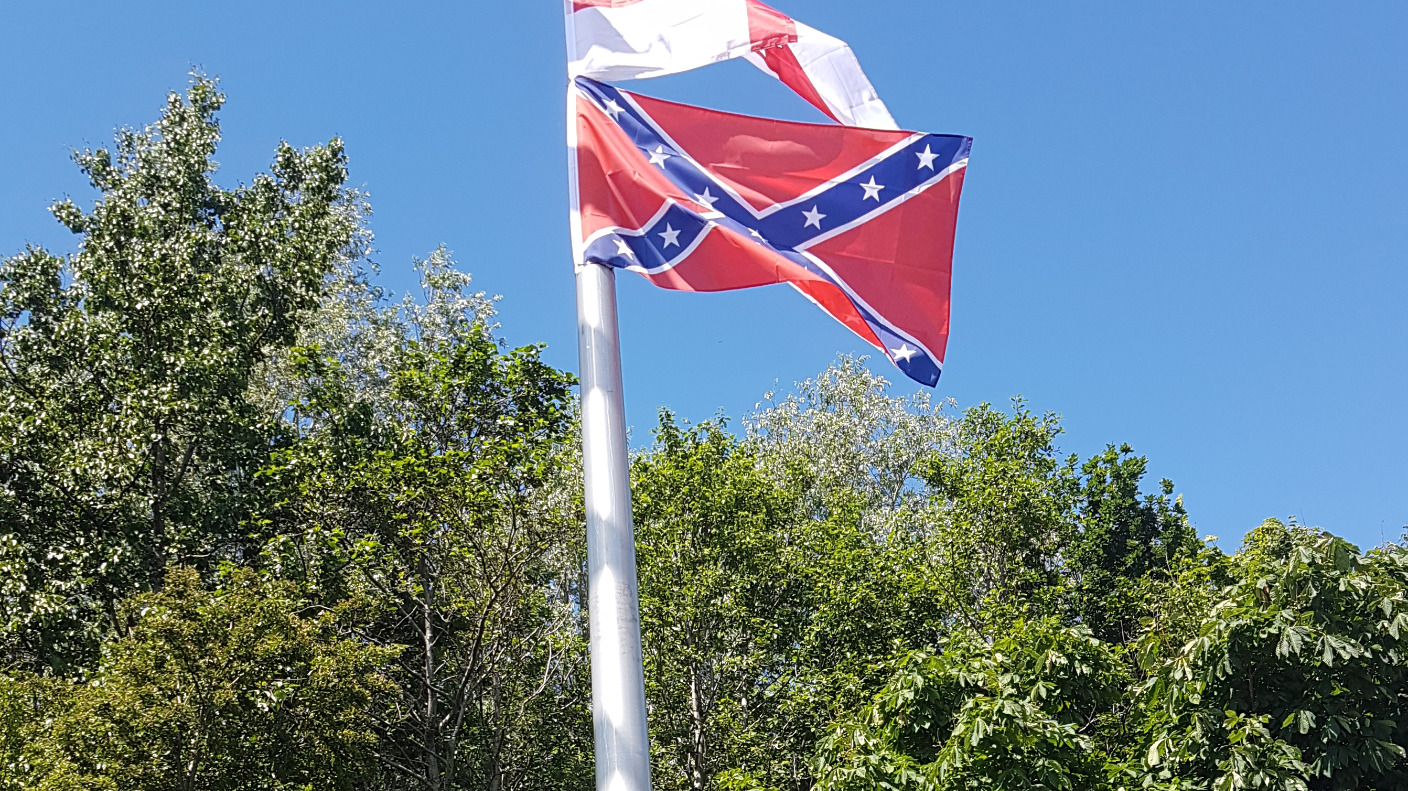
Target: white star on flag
612,108
671,236
706,199
926,158
872,190
754,232
814,217
625,250
658,157
904,352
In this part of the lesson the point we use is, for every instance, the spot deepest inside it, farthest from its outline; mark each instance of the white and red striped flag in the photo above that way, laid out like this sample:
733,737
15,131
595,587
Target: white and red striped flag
636,39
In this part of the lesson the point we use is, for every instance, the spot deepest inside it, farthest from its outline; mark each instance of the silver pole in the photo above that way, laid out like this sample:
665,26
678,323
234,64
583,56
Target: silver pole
618,675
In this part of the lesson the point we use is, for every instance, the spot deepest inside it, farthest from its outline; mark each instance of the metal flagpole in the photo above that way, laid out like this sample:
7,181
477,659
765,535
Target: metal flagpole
618,673
618,677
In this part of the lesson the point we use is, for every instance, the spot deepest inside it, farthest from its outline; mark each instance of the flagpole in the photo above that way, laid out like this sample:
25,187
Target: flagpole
613,602
618,677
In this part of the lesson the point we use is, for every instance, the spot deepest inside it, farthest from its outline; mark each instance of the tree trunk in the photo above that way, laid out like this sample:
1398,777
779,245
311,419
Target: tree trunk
698,745
494,775
156,562
432,709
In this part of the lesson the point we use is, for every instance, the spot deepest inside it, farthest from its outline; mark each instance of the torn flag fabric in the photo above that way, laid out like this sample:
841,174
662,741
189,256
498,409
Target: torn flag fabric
635,39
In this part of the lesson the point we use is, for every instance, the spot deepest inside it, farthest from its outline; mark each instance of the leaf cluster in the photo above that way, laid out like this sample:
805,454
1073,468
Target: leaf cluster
223,688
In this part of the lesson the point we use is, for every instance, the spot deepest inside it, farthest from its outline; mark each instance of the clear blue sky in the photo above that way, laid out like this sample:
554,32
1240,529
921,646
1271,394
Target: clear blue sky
1185,225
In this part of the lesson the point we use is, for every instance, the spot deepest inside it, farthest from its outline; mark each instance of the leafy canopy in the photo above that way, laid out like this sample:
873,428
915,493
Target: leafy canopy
225,688
128,437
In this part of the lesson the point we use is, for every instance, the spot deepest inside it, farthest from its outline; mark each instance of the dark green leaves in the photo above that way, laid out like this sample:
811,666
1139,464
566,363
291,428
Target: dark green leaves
1026,711
210,689
1298,663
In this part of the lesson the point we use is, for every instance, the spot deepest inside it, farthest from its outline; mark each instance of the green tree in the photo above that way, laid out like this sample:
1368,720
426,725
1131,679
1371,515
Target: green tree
842,441
1004,509
991,530
210,689
27,703
418,503
128,438
1125,540
1295,679
867,550
1025,711
777,569
911,530
719,603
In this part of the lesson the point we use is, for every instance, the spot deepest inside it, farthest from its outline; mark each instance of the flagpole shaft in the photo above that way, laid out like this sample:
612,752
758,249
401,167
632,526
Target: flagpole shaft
618,676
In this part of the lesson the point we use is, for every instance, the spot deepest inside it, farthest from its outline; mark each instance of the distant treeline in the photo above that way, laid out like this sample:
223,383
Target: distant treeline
264,527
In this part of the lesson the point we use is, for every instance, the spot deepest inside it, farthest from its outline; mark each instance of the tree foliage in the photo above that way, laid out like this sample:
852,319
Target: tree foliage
1126,541
1029,710
718,605
1294,679
225,688
420,505
127,437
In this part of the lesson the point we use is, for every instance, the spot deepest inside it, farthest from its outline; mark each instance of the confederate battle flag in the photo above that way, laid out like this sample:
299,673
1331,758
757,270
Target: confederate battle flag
859,220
